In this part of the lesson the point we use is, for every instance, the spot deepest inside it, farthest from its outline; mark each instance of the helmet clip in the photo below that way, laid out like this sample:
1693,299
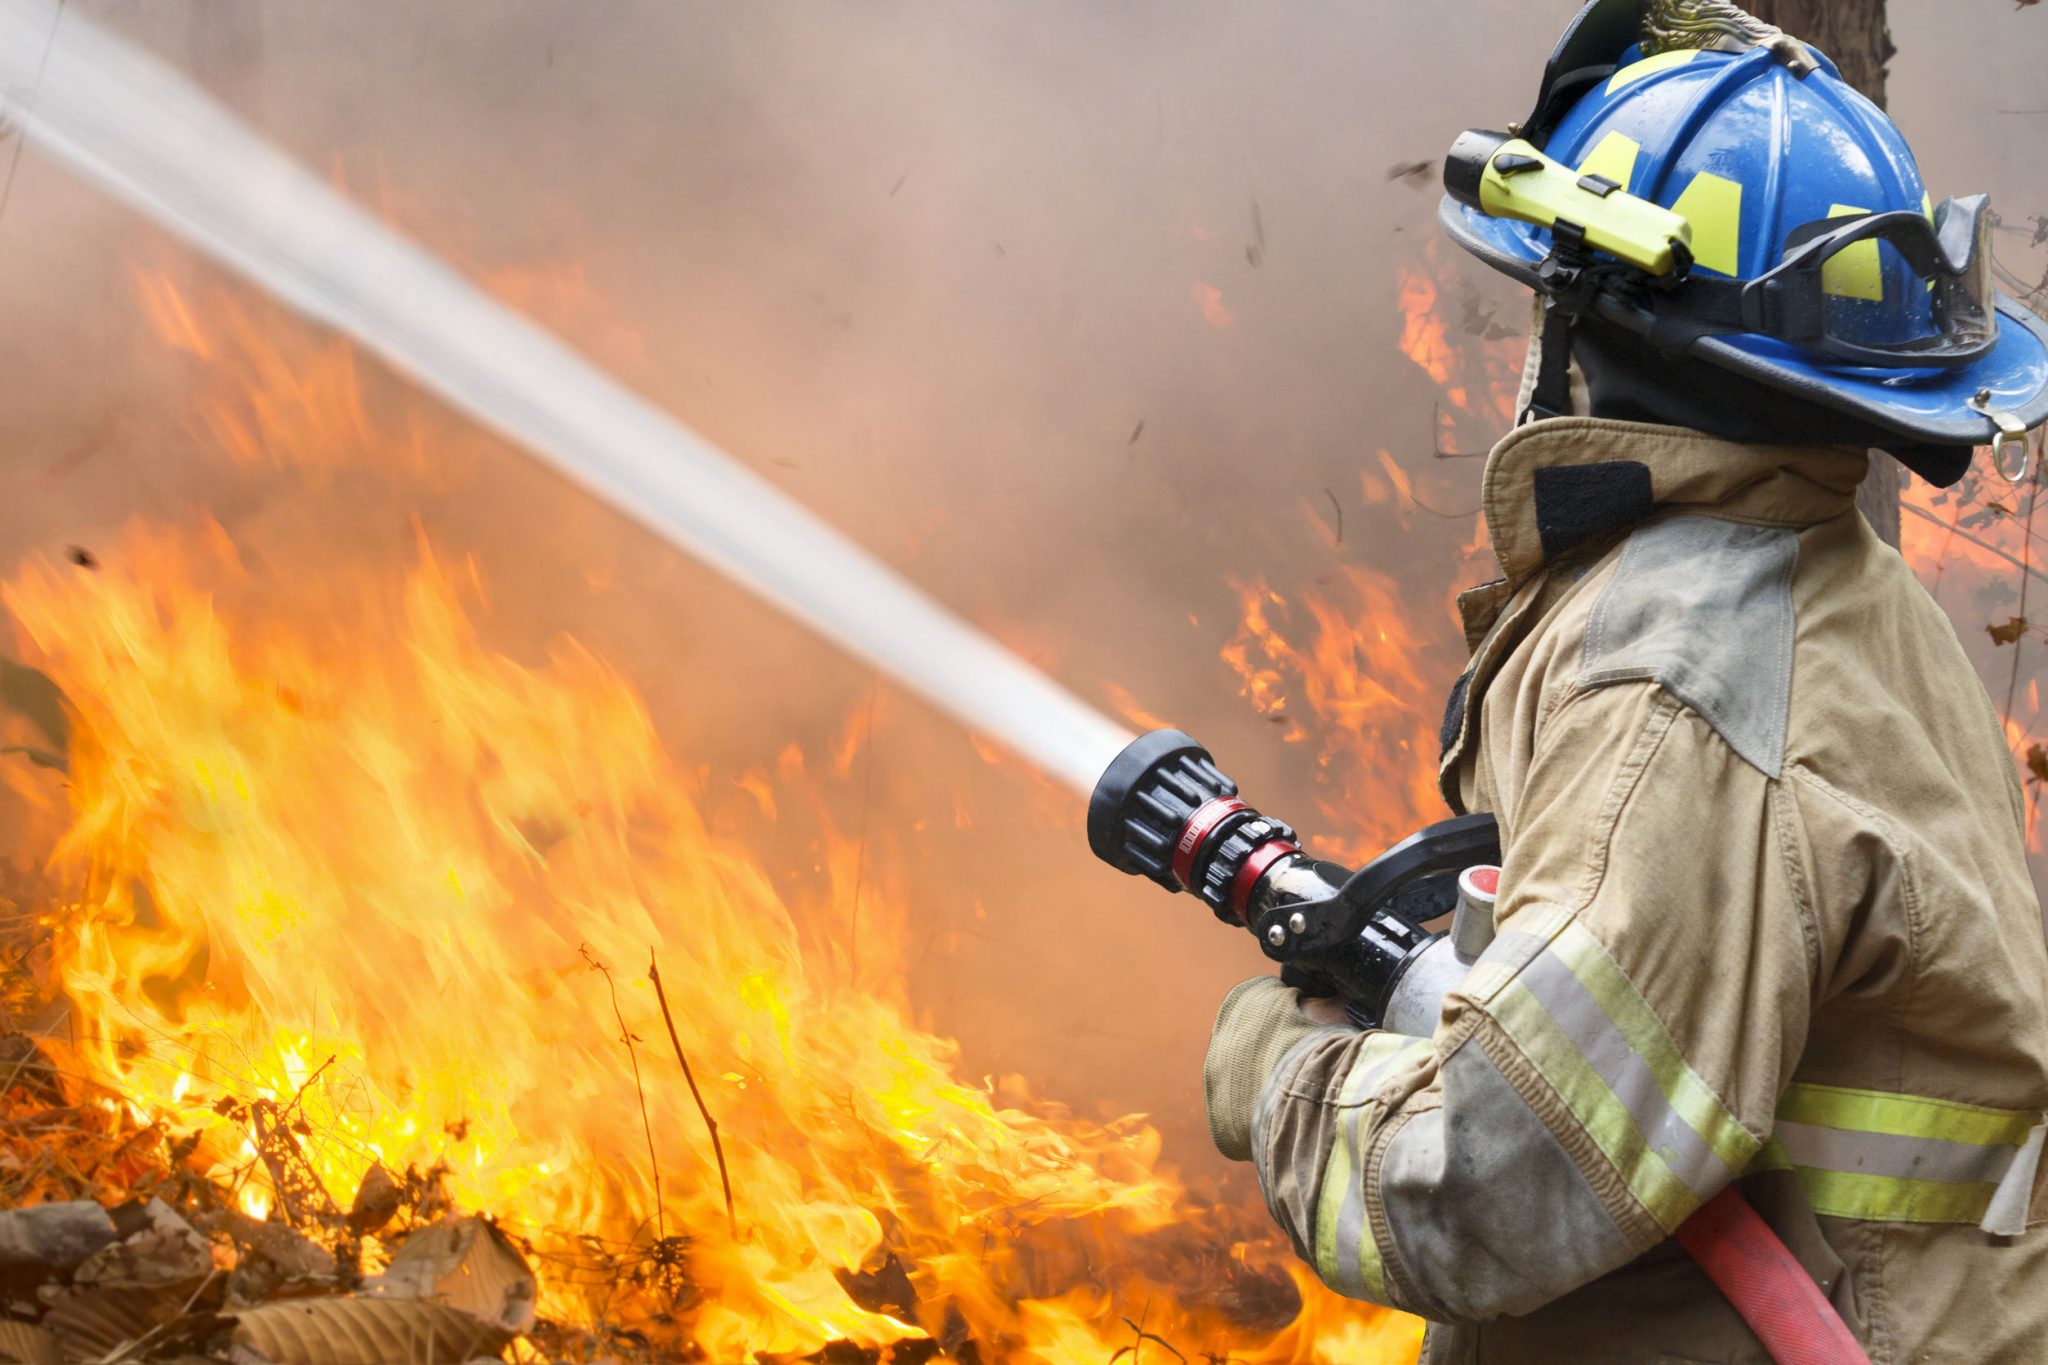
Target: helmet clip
2012,439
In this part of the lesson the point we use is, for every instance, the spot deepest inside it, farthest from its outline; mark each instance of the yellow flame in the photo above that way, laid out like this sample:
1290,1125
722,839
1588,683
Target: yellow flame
342,857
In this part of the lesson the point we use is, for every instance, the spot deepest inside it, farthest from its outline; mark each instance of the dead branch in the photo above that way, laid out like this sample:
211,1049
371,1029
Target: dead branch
1983,545
639,1090
732,1221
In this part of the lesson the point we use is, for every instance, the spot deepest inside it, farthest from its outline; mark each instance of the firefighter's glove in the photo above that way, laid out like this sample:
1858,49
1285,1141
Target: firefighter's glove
1260,1022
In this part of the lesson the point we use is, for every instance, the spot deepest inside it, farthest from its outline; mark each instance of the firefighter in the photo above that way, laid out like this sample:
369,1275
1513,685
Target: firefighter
1765,918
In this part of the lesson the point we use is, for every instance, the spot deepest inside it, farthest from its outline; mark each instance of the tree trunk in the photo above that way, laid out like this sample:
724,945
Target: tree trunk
1855,35
1852,32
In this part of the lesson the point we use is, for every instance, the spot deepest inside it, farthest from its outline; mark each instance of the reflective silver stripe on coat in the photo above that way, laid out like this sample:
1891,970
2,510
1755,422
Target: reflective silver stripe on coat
1885,1154
1602,1045
1350,1262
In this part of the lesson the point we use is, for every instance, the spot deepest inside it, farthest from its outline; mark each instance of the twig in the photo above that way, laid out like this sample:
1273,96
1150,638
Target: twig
300,1093
867,806
1436,439
639,1091
128,1351
1143,1337
1985,546
732,1221
2012,689
1338,508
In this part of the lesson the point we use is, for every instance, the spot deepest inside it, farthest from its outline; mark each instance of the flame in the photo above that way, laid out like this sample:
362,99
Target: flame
1210,300
1484,357
345,864
1979,551
1367,679
1424,338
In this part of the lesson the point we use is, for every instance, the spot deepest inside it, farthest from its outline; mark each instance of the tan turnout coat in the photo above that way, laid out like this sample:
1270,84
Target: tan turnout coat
1765,917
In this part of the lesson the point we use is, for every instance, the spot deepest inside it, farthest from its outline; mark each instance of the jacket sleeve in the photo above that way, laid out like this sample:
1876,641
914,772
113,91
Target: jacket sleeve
1610,1064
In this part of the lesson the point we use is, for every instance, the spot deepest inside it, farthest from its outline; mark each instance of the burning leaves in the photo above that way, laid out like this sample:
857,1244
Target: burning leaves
110,1252
355,959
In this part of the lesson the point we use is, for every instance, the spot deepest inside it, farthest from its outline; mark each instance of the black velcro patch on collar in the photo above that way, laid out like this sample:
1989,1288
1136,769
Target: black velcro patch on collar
1454,713
1581,502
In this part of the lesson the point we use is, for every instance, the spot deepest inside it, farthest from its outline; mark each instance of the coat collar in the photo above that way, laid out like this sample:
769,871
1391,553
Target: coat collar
1554,486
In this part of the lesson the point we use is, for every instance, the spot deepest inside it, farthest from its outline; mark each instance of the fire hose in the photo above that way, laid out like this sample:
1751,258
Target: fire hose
1164,811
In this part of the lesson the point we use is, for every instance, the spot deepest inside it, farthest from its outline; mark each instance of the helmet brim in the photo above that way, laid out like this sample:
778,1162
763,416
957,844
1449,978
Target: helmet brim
1924,407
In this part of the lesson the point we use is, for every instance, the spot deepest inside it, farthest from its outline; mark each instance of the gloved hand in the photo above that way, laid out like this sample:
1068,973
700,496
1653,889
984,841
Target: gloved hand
1260,1022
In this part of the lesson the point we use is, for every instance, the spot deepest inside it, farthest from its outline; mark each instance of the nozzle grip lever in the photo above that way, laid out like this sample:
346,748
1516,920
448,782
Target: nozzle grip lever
1441,850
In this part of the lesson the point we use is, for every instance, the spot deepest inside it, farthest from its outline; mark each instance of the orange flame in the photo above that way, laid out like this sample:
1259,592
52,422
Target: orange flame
340,854
1365,677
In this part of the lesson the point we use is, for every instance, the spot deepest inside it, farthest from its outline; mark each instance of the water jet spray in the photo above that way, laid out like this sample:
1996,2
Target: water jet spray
151,138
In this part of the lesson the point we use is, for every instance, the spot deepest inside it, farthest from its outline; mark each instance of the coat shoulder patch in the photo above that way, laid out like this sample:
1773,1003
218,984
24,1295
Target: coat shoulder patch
1704,608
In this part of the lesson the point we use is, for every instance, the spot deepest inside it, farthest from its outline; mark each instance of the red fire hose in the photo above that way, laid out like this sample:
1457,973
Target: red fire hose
1767,1285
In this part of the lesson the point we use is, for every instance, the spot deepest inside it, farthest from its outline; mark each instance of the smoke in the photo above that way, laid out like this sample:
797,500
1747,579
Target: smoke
1075,311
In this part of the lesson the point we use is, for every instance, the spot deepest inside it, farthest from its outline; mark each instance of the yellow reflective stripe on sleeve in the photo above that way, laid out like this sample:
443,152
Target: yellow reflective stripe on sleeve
1874,1111
1691,1096
1347,1256
1591,1035
1888,1158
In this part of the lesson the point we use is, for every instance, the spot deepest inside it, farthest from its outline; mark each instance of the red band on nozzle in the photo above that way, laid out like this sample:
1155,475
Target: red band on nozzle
1254,870
1196,832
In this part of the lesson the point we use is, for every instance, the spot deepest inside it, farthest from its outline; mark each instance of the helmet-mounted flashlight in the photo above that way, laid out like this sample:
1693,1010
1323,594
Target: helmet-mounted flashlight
1507,177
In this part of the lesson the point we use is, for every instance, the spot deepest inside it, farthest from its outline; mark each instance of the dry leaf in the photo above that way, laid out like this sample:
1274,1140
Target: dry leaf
363,1331
465,1263
162,1251
276,1260
2037,763
2009,633
49,1239
26,1344
376,1202
96,1323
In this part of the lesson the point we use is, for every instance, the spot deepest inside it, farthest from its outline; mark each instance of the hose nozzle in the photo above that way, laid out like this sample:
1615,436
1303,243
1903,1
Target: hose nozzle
1165,811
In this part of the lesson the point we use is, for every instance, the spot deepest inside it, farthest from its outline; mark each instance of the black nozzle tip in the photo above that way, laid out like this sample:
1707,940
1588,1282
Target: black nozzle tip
1129,771
1465,167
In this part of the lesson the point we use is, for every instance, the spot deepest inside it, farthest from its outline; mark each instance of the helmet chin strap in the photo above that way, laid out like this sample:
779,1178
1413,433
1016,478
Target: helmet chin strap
1550,381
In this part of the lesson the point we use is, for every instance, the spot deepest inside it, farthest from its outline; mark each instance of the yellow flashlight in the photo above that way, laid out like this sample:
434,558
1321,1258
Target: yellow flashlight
1506,177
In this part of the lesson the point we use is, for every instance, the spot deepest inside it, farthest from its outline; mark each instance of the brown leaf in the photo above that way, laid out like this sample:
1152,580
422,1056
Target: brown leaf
276,1261
2037,763
27,1344
2009,633
97,1323
162,1251
48,1239
364,1331
1415,173
376,1202
465,1263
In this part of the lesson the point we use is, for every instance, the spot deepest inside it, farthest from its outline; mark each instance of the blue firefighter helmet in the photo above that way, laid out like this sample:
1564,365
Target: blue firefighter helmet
1810,256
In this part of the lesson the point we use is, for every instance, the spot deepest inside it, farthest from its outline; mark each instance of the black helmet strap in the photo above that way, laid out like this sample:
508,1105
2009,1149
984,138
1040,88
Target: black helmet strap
1553,393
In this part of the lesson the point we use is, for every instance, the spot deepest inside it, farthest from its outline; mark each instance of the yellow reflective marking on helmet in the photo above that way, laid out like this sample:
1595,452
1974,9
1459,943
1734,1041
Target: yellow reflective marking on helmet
1927,205
1650,66
1713,205
1614,158
1856,272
